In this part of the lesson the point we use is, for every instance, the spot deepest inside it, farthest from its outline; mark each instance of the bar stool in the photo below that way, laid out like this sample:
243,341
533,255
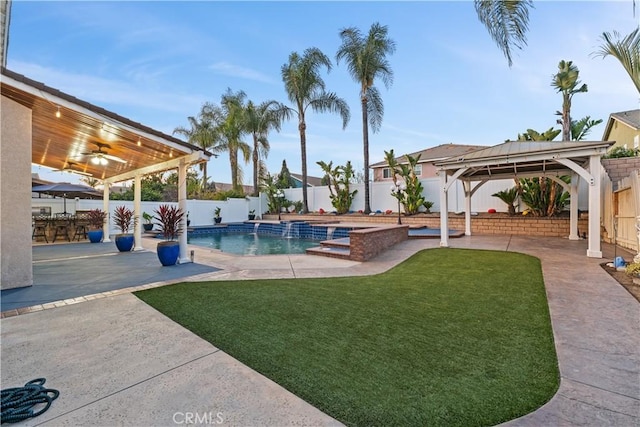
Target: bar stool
82,222
40,224
61,224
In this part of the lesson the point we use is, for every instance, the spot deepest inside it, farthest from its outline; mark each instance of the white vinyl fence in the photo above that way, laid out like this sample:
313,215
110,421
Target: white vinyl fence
237,210
381,198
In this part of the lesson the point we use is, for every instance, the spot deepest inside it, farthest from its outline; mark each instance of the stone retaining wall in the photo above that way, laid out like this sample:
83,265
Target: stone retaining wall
366,243
483,223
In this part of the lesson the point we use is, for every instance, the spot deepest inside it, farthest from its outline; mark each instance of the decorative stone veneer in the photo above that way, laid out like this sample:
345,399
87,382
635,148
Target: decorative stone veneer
366,243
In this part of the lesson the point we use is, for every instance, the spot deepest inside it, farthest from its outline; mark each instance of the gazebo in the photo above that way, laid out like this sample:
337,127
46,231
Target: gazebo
529,159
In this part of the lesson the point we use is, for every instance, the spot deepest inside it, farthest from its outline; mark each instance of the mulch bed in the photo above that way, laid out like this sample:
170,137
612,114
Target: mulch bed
624,279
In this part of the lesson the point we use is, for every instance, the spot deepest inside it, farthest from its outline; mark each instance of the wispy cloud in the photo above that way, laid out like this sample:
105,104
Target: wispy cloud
228,69
105,91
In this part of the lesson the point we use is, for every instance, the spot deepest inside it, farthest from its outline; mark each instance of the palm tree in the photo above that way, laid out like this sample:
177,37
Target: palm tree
507,22
366,60
231,129
581,128
259,120
626,50
90,181
203,131
566,82
305,88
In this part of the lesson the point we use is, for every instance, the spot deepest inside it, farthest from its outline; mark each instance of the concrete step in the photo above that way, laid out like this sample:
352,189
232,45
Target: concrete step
336,243
331,252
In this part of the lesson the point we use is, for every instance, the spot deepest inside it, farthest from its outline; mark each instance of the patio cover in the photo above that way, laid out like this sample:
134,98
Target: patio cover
64,127
529,159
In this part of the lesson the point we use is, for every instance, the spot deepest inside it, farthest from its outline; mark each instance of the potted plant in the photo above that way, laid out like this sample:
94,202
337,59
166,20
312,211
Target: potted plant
216,215
188,220
148,224
123,219
252,214
96,219
170,222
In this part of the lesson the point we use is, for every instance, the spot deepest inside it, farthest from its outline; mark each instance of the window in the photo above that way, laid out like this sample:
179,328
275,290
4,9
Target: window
418,170
636,141
386,173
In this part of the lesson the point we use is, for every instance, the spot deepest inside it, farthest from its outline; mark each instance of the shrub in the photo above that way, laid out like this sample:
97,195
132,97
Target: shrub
339,179
123,218
96,218
620,152
169,220
633,269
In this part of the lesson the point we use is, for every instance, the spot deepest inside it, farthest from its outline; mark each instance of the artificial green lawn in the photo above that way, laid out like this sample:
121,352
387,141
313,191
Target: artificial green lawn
448,337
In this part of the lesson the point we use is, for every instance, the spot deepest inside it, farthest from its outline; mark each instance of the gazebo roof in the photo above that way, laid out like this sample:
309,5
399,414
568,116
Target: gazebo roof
515,158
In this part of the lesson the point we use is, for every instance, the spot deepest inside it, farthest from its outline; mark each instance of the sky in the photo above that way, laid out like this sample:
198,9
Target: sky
157,62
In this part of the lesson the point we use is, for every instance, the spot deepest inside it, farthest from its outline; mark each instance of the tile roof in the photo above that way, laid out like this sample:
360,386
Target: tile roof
313,181
630,118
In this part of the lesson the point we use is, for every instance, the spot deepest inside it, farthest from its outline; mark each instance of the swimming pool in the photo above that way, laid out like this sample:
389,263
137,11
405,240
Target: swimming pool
253,243
285,237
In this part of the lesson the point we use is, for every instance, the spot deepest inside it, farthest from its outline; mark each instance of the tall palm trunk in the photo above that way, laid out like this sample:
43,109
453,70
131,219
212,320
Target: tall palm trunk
302,126
365,144
204,176
233,160
256,161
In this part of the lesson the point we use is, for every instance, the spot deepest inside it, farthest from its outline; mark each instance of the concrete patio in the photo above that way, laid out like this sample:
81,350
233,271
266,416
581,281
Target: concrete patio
116,361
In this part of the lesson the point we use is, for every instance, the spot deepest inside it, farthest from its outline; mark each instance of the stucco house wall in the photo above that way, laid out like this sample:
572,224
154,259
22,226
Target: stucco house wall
15,195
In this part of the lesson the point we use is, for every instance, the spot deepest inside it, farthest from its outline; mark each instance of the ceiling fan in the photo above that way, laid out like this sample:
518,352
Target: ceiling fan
101,157
69,167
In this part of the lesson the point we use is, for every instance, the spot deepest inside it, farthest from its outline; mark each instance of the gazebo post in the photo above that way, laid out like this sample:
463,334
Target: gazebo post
593,250
107,209
182,204
573,208
466,185
444,210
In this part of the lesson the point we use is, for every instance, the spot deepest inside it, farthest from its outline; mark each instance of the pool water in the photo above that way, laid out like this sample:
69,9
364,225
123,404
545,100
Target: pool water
253,244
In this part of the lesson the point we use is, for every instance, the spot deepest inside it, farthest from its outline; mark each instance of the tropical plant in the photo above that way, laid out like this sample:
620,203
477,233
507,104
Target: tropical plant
123,219
366,59
411,196
269,186
216,212
147,218
624,49
169,221
566,82
90,181
540,199
506,21
203,131
532,135
259,121
96,218
510,197
229,194
581,128
339,179
306,89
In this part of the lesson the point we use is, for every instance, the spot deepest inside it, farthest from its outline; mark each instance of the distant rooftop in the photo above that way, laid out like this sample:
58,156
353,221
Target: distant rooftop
439,152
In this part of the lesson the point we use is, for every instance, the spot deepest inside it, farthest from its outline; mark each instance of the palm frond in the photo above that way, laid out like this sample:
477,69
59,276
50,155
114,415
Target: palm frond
332,103
375,108
624,49
507,22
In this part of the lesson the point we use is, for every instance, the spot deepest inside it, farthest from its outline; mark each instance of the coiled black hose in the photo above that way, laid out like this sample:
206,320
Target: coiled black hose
18,402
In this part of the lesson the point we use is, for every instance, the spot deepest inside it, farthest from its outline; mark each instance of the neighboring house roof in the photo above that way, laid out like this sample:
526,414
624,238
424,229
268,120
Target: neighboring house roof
630,118
312,181
439,152
222,186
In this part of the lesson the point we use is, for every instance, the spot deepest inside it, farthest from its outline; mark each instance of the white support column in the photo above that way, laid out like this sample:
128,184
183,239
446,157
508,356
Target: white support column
467,207
573,208
593,250
444,210
182,204
137,213
107,209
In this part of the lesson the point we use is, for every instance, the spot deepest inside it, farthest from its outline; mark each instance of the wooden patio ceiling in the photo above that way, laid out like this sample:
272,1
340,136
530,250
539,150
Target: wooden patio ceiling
59,140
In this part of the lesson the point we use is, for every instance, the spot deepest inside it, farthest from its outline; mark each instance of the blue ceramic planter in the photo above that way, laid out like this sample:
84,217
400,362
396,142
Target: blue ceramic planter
168,252
95,236
124,242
